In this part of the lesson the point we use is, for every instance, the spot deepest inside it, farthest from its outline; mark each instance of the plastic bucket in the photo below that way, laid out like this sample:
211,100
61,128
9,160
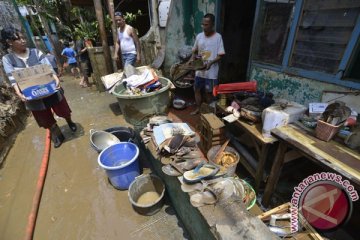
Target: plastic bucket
147,184
137,109
124,134
121,164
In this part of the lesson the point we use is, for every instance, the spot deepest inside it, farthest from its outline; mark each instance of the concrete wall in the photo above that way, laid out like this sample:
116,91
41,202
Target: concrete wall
184,22
301,90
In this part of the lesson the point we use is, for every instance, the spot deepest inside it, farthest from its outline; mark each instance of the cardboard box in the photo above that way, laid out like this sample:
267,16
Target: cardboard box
36,82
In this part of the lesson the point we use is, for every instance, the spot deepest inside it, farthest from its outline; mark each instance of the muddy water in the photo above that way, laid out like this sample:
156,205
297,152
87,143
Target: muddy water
78,202
148,198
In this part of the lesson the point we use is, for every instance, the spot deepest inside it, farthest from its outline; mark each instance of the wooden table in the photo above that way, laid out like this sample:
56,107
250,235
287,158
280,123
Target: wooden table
332,154
253,132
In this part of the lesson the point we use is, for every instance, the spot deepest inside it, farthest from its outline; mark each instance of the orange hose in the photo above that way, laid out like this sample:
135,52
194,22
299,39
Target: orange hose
39,188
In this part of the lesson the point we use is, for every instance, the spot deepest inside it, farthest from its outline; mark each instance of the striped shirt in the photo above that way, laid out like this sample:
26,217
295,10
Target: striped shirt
12,62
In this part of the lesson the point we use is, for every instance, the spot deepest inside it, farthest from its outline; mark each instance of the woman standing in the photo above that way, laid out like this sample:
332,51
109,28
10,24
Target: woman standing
20,56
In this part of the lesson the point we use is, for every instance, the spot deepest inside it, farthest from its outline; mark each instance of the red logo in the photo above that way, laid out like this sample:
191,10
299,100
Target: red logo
325,205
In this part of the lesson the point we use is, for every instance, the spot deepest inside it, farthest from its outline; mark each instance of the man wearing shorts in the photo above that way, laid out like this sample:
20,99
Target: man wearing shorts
82,48
210,48
70,55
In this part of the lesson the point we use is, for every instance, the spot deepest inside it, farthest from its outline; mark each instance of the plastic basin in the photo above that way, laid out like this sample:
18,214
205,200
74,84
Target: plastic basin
137,109
120,161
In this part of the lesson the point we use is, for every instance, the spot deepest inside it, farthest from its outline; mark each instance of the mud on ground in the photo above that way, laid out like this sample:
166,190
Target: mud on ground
12,118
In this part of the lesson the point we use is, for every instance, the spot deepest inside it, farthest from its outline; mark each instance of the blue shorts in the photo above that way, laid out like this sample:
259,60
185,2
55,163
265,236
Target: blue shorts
205,84
128,58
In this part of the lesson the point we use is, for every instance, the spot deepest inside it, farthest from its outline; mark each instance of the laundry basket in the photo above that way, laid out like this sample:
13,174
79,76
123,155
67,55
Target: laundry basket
326,131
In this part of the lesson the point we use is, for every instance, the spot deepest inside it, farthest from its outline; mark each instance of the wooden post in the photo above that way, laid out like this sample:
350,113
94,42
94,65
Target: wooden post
41,46
100,18
113,25
274,174
48,32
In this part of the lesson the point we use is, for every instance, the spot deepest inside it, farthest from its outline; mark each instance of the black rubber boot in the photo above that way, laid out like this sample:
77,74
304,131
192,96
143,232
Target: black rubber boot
56,136
72,126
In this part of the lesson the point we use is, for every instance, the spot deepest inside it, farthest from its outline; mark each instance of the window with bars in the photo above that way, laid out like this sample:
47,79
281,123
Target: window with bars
323,32
274,31
318,39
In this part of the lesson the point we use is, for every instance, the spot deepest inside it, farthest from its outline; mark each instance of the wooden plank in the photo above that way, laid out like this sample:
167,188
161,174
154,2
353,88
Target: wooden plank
292,155
314,63
312,232
330,4
308,233
247,166
275,210
260,167
326,35
320,50
345,161
274,174
331,18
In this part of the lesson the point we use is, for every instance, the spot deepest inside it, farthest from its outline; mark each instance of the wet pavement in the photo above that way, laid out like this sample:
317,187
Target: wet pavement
77,202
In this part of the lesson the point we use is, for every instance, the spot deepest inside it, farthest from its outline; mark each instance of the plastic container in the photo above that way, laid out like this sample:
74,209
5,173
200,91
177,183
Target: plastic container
230,170
274,116
121,164
250,86
142,185
137,109
124,134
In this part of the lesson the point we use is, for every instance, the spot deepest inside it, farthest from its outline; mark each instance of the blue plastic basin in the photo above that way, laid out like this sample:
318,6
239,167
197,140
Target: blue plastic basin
121,164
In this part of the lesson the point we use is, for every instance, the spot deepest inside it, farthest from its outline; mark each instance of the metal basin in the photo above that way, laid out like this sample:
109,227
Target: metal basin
101,139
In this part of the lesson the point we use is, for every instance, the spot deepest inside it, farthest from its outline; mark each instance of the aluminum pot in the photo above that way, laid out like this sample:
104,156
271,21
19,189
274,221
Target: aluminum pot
101,139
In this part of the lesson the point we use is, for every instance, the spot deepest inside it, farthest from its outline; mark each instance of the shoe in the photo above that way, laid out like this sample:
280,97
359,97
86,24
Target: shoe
201,172
72,126
194,112
58,140
206,197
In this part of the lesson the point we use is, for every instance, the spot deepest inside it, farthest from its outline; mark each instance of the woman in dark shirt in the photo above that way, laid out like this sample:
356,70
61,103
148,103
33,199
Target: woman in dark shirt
22,57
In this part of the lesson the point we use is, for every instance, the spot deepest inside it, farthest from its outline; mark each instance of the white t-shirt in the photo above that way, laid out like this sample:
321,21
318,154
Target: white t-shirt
209,48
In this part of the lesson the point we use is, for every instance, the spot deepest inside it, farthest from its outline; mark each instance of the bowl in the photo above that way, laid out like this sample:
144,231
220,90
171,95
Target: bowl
179,104
101,139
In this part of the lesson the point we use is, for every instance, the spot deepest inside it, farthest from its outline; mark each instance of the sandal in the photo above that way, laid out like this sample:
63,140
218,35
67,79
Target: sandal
206,197
170,171
190,187
187,164
201,172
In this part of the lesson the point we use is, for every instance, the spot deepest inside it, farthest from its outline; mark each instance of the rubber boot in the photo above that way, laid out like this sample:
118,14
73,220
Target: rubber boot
71,125
56,136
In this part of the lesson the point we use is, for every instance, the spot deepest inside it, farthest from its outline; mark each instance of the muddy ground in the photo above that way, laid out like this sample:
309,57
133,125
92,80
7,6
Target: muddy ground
77,202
